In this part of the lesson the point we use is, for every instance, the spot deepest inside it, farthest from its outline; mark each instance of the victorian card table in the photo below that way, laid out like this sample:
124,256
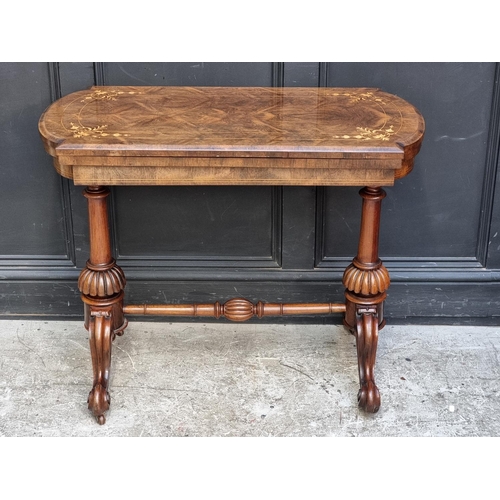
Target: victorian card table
116,136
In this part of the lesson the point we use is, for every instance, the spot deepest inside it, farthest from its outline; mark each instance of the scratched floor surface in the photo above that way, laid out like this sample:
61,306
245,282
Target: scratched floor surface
195,379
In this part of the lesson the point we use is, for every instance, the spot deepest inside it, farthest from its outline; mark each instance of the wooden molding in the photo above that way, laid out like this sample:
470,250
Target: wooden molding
323,74
278,74
490,174
99,73
54,81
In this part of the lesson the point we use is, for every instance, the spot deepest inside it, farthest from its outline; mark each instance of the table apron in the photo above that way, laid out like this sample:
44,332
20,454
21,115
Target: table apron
347,176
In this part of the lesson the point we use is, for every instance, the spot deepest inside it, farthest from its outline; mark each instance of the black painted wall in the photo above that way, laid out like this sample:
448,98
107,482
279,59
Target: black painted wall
440,234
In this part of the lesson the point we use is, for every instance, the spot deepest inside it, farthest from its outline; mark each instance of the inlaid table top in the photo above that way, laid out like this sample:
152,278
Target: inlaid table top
232,135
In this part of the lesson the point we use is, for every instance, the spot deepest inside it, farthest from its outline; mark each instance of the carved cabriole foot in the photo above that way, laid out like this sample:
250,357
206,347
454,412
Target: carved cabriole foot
366,345
365,330
103,320
100,330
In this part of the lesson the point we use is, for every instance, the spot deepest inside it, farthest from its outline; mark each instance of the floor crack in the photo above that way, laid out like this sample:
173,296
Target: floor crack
297,370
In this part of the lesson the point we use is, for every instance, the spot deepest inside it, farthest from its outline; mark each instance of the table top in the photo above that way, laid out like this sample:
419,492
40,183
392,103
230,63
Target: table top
232,135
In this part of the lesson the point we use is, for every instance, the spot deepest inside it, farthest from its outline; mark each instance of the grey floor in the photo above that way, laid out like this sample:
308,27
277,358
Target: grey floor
227,379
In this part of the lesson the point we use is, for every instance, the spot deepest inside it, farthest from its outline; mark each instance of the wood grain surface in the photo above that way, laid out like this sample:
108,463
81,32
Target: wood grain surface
218,135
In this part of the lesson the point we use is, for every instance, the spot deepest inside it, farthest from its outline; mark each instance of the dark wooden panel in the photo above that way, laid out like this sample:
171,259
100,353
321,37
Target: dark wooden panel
298,227
209,223
32,218
76,76
190,74
305,74
435,211
39,298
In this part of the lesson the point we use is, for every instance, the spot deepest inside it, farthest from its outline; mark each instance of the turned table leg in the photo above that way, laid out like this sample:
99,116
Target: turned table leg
366,281
101,283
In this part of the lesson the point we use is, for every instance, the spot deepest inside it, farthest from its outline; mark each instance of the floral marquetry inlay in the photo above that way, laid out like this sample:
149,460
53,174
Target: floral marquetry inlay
361,96
367,134
99,131
106,95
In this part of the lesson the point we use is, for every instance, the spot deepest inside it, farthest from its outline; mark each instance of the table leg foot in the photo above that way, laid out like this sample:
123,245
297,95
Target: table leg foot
366,343
99,401
366,281
101,283
101,336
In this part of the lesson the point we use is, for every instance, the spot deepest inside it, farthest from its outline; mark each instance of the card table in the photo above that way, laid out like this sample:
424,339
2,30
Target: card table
135,135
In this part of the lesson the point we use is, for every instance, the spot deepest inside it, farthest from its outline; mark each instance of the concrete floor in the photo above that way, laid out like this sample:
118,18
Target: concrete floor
227,379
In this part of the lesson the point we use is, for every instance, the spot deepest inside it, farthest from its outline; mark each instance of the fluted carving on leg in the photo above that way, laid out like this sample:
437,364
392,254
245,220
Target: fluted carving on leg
101,282
365,281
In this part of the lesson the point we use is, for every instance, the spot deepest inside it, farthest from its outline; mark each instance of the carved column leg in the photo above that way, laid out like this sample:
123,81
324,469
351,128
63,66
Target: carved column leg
366,281
101,284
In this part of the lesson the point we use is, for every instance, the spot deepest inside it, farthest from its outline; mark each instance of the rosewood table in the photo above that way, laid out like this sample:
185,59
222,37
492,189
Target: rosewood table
115,136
